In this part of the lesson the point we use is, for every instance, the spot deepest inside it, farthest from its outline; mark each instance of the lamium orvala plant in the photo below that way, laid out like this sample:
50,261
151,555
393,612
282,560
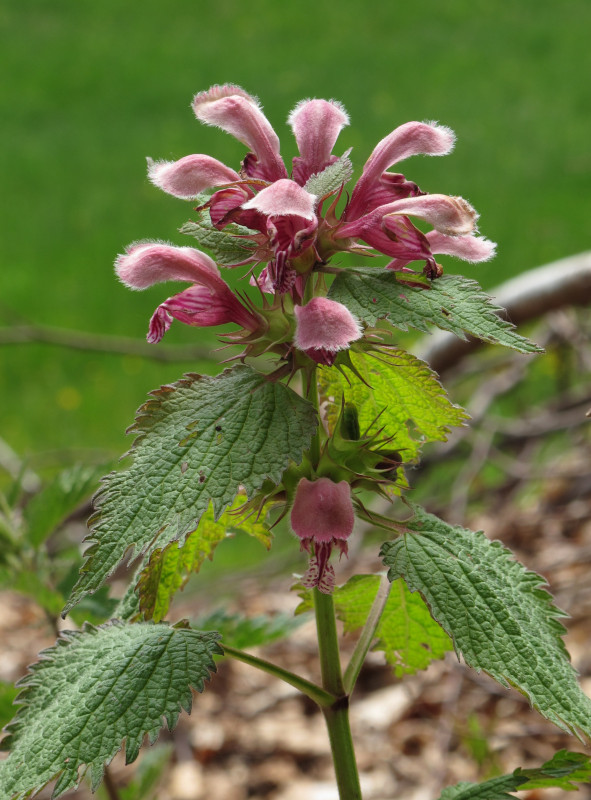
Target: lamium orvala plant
311,426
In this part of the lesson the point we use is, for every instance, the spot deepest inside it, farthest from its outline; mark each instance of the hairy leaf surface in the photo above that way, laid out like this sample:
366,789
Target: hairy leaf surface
95,690
563,771
225,246
331,178
497,613
412,406
198,441
452,303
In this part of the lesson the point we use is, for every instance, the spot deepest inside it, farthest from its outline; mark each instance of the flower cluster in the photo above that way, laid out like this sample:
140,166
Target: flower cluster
291,231
289,225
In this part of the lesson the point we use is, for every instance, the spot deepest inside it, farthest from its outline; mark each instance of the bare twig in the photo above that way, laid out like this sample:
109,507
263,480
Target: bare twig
99,343
563,283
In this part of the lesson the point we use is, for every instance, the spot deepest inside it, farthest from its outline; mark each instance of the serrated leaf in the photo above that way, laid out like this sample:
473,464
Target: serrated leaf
331,178
50,507
94,690
412,404
198,441
243,632
452,303
562,771
169,569
7,695
228,247
497,613
407,634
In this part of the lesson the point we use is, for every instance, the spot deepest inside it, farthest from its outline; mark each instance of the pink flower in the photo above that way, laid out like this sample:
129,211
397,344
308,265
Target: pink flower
322,517
316,125
210,301
238,113
382,202
323,327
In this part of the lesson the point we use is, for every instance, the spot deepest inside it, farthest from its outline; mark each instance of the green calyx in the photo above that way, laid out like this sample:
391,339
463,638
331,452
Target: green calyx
361,459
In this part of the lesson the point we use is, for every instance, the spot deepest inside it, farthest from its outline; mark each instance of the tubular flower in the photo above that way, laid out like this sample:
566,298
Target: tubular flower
322,517
210,301
382,202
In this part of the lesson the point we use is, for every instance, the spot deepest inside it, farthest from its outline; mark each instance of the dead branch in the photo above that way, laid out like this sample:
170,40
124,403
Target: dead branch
99,343
561,284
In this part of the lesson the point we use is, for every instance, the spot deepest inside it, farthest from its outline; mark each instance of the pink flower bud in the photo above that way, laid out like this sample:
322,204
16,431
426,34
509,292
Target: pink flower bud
322,516
322,510
326,326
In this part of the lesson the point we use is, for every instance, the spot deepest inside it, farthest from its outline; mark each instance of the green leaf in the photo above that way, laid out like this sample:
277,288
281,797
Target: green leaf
452,303
94,690
498,615
412,406
50,507
562,769
169,569
560,772
407,634
227,247
148,774
331,178
198,441
243,632
8,694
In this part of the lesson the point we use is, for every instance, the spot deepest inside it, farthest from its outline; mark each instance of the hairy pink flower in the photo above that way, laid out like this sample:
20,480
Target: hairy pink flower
323,327
316,125
322,517
238,113
190,176
210,301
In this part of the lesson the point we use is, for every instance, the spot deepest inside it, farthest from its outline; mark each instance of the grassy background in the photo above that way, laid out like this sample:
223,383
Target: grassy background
91,88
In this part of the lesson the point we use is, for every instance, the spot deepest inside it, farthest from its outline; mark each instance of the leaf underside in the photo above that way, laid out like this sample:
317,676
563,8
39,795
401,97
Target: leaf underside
95,690
452,303
497,613
226,248
403,392
199,441
331,178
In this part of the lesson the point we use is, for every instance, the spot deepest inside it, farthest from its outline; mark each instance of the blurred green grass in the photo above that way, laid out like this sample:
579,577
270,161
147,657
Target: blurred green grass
90,89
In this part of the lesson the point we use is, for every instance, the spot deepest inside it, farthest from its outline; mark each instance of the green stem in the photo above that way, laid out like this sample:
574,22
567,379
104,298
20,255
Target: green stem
328,644
367,635
323,698
337,714
312,396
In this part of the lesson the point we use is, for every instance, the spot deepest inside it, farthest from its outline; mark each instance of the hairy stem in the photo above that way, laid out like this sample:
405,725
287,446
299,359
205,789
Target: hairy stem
367,635
337,714
320,696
